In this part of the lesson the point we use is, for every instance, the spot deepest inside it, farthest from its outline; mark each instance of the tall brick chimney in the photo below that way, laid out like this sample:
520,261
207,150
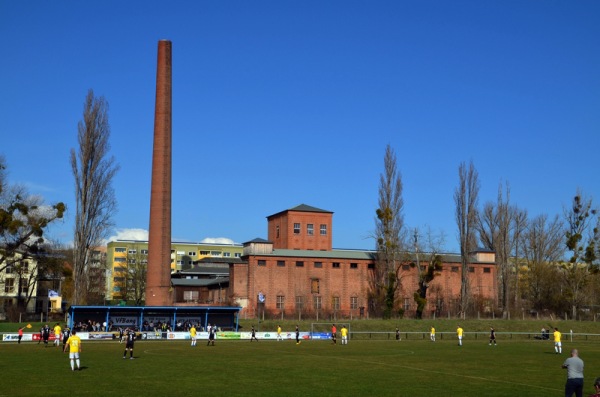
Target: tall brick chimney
158,278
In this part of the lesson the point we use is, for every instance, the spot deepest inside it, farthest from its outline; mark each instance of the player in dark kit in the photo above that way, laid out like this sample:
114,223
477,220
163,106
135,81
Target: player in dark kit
130,340
211,336
65,336
45,334
492,336
253,334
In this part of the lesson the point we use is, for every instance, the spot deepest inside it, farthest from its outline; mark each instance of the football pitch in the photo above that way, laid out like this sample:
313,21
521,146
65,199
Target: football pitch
312,368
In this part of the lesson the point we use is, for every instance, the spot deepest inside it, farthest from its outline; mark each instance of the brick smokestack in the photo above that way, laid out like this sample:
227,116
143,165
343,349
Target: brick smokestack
158,278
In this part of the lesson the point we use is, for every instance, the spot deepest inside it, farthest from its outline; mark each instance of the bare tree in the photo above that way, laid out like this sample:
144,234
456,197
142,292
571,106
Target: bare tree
23,220
93,171
582,236
466,198
542,250
137,266
521,222
429,265
495,227
389,225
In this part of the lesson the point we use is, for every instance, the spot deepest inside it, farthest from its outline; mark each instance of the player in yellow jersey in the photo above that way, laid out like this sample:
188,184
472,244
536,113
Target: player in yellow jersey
344,332
193,334
57,334
278,333
432,334
459,333
74,343
557,342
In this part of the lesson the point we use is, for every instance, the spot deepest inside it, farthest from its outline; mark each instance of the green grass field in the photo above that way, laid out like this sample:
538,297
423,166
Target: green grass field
313,368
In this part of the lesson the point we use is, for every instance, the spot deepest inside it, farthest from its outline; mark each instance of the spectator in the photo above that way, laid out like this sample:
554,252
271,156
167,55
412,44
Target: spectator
596,388
574,367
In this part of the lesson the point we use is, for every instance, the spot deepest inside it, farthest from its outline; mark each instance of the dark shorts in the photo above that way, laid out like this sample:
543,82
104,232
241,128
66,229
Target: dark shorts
129,345
574,385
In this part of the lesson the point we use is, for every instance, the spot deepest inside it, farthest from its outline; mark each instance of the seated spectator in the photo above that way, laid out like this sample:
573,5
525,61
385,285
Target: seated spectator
596,388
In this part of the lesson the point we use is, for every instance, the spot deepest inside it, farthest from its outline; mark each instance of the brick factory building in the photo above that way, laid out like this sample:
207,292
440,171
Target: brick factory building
297,271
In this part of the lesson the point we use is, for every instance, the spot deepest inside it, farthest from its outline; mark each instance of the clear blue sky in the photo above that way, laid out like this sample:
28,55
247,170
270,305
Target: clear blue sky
278,103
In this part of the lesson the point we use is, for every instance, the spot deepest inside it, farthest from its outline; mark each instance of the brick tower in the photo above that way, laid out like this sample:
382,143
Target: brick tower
158,278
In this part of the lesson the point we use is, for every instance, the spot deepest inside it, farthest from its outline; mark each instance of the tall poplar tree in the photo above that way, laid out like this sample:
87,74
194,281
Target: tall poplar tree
93,171
389,225
466,197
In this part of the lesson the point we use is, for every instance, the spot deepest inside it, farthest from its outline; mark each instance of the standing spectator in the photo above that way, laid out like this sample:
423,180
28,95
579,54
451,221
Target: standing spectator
557,342
278,332
66,333
57,334
344,332
492,336
297,335
596,388
574,367
253,334
459,333
45,334
334,334
130,340
20,334
74,343
432,334
193,335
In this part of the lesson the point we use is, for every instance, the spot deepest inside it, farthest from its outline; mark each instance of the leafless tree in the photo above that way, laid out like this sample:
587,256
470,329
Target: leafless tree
466,199
93,171
428,264
23,220
137,266
389,226
521,222
542,250
495,226
582,237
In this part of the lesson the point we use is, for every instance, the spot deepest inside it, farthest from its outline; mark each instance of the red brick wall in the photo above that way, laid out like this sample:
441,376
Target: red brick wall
345,282
303,241
446,285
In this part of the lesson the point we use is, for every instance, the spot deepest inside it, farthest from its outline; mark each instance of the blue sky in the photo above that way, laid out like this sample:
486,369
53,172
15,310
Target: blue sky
279,103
